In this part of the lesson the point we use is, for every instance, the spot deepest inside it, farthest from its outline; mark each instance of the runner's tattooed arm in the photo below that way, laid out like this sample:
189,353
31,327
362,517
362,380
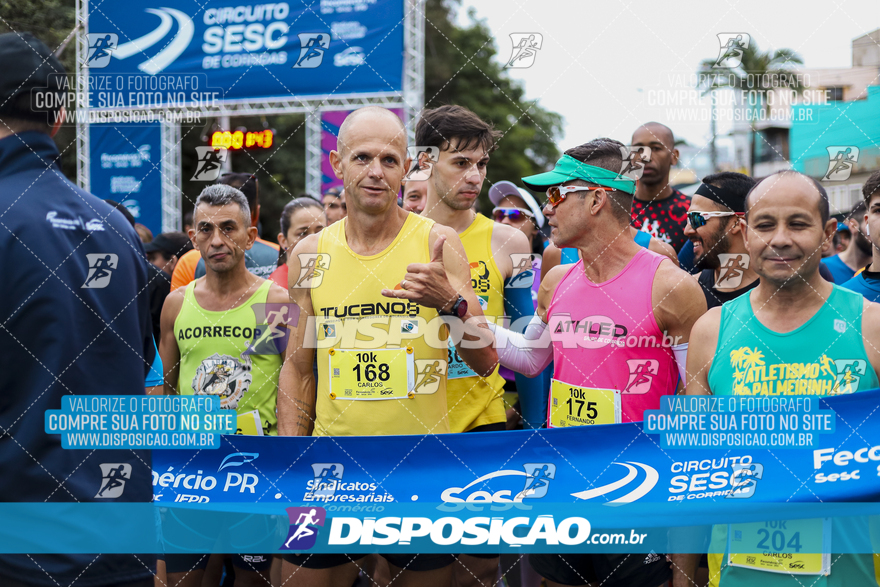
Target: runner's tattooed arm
297,387
168,349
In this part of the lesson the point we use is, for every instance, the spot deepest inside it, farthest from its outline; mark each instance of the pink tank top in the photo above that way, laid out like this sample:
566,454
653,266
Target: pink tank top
605,336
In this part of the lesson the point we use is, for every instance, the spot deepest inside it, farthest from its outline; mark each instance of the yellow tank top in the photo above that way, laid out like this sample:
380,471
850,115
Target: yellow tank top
216,358
474,400
381,361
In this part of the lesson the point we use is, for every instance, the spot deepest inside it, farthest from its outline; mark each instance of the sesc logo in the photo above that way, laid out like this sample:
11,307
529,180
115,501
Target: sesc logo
651,478
351,57
537,477
171,49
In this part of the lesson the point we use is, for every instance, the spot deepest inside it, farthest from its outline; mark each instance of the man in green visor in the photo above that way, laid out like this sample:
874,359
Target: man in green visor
619,325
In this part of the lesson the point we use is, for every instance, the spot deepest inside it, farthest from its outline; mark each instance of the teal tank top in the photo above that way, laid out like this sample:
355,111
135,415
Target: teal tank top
825,356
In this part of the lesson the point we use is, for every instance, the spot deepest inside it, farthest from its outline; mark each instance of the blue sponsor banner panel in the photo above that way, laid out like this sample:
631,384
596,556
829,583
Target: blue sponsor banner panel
126,166
610,488
180,53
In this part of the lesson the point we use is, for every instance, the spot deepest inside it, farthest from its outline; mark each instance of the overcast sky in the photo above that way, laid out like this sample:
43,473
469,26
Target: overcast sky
608,66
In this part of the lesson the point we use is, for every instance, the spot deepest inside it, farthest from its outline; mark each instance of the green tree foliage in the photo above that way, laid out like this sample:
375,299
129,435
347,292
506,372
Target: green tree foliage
51,21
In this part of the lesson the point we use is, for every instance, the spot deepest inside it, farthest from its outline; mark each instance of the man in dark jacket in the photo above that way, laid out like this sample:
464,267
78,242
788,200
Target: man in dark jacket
75,321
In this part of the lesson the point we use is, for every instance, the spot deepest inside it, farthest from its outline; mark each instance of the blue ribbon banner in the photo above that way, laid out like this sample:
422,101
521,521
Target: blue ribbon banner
594,488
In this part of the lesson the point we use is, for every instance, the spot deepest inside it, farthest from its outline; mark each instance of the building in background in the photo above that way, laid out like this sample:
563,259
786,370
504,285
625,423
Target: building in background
837,107
851,119
854,124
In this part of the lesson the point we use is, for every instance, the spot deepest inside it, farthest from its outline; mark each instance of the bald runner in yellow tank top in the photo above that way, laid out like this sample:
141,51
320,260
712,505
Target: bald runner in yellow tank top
373,349
473,400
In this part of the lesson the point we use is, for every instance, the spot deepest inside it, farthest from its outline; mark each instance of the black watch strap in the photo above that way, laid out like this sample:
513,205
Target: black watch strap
453,311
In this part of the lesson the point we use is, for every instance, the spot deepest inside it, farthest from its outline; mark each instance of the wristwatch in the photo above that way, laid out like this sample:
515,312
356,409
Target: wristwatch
459,308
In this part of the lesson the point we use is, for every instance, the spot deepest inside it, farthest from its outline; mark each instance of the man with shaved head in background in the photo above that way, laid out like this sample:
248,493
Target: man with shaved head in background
657,208
406,270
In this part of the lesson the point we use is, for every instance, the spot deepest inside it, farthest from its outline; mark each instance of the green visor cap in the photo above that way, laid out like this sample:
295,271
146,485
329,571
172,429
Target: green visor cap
568,168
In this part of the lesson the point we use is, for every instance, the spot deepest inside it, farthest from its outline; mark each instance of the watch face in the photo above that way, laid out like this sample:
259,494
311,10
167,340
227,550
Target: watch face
462,308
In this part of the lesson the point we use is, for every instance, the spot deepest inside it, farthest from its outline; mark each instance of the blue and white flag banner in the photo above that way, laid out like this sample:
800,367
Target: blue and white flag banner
594,488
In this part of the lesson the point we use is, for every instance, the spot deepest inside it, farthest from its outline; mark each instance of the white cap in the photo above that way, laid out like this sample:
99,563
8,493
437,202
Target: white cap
506,188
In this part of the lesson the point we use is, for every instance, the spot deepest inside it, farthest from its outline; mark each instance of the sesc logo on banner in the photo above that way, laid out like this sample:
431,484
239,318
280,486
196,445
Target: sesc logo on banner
170,50
626,482
505,486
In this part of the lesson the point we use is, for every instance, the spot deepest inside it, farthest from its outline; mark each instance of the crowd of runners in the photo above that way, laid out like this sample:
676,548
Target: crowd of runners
617,288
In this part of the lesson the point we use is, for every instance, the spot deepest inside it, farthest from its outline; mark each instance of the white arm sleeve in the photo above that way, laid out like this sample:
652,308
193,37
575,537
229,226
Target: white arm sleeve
681,352
528,353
